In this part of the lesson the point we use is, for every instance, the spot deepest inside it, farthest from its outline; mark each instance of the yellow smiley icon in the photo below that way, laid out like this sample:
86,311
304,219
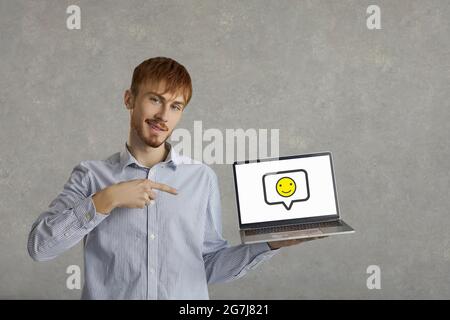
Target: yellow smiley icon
285,187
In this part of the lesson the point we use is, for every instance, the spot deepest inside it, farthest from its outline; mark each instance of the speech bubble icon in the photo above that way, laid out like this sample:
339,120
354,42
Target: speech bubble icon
285,187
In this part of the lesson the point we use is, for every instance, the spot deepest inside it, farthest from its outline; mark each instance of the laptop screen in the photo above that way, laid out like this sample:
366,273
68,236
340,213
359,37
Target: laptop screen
285,188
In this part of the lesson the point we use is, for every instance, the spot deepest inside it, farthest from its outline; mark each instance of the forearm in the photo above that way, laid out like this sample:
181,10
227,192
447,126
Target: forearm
55,231
231,263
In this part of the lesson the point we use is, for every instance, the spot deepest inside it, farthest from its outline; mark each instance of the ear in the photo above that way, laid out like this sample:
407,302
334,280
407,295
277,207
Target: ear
128,99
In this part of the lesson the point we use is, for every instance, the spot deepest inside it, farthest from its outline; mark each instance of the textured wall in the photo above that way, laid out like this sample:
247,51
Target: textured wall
378,99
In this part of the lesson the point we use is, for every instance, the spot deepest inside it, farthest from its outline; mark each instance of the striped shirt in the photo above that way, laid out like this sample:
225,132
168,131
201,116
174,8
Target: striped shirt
171,249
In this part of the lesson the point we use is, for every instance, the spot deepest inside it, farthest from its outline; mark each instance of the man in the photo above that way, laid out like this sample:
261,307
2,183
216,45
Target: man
150,219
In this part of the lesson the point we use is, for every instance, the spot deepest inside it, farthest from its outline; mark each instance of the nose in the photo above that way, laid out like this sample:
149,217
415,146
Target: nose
161,115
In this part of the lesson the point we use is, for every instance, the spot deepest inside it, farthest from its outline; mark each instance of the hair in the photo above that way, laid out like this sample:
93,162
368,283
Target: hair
162,69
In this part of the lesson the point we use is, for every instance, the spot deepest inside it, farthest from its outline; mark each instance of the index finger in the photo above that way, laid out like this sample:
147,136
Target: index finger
164,187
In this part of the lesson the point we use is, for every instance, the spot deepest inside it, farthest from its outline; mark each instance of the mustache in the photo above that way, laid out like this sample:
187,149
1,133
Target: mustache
157,123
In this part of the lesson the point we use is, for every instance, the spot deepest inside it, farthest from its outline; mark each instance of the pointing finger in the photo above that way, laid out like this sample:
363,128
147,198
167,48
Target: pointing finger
164,187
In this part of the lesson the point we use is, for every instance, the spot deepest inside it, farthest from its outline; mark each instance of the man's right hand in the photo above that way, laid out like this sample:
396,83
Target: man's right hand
129,194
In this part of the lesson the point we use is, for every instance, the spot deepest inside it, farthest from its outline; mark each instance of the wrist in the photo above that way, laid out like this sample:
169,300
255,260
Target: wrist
104,201
111,198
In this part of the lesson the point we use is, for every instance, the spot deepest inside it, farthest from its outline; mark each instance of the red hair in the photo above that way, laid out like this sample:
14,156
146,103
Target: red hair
161,69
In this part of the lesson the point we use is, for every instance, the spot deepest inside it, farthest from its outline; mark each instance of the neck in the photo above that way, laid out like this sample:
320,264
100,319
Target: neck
146,155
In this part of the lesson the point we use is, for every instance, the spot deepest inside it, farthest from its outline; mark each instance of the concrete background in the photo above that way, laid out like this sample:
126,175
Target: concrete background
378,99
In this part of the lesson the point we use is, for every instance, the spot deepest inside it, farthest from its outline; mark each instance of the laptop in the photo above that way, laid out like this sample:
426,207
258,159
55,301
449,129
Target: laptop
289,197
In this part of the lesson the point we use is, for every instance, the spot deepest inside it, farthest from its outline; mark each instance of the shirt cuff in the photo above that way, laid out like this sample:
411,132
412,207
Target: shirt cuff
267,251
261,252
87,213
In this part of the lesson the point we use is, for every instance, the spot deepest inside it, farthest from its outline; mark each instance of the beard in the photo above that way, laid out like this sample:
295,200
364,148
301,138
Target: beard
149,139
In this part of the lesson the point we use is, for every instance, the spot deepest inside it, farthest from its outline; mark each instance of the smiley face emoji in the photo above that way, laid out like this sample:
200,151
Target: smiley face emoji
286,187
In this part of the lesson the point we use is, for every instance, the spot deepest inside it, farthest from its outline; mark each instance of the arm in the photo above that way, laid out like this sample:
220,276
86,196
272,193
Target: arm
222,262
68,219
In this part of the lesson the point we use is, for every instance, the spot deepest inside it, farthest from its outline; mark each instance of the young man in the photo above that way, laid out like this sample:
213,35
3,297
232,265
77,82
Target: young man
150,219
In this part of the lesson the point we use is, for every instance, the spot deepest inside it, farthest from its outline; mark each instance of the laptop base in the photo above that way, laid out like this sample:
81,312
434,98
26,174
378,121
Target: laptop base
314,230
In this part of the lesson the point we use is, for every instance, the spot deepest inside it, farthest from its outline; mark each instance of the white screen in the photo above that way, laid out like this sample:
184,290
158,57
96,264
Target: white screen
294,188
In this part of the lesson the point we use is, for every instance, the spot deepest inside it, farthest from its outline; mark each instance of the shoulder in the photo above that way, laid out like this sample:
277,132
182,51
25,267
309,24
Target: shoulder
94,166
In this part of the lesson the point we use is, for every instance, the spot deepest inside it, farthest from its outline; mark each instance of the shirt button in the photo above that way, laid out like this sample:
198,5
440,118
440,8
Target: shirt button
152,236
152,271
87,215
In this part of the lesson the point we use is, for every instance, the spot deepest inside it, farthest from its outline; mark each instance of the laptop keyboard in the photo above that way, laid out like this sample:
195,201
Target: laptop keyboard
293,227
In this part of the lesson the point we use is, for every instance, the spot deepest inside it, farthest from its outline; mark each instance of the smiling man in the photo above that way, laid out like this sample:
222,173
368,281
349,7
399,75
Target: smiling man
149,218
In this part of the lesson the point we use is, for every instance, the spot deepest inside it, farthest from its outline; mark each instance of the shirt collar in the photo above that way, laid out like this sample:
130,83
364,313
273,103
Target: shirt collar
126,158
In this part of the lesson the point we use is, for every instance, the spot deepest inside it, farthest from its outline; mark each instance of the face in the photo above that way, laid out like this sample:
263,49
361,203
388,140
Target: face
286,187
153,115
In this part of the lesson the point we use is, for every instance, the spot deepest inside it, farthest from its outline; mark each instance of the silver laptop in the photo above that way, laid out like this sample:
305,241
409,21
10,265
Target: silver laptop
287,198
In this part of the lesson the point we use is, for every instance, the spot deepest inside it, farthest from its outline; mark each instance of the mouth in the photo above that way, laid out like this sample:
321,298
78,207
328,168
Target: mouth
286,191
154,126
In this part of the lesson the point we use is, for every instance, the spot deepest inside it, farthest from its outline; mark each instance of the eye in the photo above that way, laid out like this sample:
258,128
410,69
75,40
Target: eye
290,183
155,100
280,185
176,107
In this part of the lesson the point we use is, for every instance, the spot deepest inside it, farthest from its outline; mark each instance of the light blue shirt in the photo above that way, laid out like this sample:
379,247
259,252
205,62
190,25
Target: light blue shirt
171,249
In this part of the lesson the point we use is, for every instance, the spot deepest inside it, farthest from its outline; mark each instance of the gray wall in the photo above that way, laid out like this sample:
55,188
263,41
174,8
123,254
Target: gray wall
378,99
